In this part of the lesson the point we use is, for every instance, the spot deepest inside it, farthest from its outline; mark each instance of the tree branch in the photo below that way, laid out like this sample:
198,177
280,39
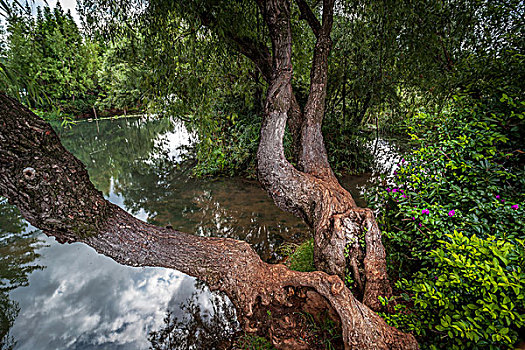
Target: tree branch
328,16
309,16
255,51
313,158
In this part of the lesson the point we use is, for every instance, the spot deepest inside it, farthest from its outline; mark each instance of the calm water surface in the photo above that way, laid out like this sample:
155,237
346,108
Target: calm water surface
55,296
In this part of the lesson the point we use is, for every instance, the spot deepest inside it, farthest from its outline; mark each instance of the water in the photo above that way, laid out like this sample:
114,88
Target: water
68,296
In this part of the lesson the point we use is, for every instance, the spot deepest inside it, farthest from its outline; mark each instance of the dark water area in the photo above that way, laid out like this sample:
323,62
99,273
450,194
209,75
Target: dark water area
55,296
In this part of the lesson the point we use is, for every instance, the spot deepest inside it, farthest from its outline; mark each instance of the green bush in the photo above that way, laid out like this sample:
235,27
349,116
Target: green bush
302,258
453,223
476,298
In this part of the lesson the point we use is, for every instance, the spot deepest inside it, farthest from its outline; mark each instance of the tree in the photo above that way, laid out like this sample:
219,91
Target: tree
310,190
54,193
52,65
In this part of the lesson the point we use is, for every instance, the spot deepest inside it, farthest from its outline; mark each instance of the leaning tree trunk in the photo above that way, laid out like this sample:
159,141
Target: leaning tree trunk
53,192
312,191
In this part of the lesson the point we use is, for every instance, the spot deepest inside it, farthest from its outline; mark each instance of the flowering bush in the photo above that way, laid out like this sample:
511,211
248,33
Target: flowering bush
454,227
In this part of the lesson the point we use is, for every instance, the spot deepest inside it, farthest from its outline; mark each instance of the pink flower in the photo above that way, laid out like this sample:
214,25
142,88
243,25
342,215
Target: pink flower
388,190
425,211
497,197
413,218
394,190
515,206
404,196
451,213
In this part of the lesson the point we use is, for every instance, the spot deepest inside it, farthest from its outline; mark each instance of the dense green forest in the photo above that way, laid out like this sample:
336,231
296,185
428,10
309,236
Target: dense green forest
447,77
59,71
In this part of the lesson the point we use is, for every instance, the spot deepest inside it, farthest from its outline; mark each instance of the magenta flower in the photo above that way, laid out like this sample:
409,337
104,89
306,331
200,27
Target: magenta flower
497,197
394,190
515,206
388,190
451,213
425,211
404,196
403,160
420,224
413,218
401,191
502,201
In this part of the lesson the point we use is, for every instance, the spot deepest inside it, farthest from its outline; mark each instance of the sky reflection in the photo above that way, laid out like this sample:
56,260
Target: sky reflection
83,300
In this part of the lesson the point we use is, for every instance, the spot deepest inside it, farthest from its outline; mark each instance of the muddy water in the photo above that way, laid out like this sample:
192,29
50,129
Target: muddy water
57,296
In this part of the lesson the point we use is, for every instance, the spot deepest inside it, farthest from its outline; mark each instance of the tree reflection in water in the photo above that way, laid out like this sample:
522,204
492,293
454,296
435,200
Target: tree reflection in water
210,329
139,161
18,246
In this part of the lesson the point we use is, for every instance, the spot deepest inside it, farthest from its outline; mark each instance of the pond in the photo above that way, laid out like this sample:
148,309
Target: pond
68,296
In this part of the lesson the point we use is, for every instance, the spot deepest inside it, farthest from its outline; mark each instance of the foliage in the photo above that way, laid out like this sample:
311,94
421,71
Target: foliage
253,342
324,330
300,257
48,53
453,220
227,144
120,82
49,64
181,58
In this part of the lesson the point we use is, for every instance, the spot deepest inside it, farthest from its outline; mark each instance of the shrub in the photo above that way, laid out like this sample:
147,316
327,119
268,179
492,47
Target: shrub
300,257
453,222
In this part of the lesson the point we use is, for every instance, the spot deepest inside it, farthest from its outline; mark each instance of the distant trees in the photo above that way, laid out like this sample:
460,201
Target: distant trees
50,65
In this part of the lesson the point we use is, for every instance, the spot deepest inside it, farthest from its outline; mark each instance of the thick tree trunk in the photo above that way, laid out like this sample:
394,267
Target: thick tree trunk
52,189
313,192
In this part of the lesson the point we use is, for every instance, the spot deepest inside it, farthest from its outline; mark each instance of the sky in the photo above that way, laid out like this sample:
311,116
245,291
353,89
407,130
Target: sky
66,4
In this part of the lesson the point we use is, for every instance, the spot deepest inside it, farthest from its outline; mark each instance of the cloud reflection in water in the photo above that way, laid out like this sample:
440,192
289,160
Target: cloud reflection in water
84,300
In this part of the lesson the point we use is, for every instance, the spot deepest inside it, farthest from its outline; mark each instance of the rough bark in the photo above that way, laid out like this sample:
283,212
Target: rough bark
57,196
313,192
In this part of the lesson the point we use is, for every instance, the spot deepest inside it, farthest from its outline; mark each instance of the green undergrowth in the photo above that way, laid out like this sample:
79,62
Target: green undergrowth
324,332
453,222
300,257
253,342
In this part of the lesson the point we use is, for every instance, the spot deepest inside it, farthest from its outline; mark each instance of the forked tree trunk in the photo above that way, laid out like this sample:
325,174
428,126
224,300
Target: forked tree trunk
312,191
53,192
